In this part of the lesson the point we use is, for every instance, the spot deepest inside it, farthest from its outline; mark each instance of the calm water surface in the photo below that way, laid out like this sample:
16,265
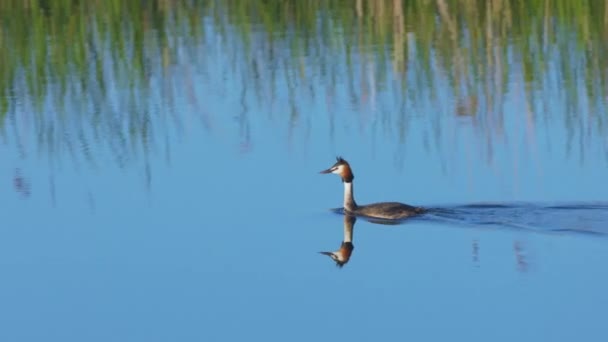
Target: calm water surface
184,203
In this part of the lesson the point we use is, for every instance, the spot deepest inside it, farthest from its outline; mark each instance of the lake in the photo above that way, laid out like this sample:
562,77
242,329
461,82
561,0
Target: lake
160,167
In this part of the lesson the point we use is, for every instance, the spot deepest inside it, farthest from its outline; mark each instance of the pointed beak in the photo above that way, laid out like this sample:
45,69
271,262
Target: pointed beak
326,171
326,253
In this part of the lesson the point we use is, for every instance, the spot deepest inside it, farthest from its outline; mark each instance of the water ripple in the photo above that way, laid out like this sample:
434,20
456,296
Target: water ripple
588,218
578,218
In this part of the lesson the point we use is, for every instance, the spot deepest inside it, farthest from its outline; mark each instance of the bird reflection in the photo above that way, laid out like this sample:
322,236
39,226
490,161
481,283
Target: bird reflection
342,255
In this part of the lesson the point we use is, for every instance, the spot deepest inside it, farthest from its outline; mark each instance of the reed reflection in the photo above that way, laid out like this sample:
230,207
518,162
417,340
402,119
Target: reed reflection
21,184
343,254
93,102
520,256
519,252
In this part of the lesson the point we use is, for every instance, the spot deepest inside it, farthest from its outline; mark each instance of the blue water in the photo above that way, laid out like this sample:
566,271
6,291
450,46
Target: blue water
211,230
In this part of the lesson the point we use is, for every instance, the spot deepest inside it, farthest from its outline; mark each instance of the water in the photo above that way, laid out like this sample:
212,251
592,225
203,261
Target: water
166,186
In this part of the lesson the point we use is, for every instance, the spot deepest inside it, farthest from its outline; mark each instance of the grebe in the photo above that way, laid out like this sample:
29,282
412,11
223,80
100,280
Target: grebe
383,210
342,255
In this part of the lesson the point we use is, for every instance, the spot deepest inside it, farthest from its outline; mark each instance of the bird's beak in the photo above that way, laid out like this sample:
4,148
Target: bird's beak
327,253
327,171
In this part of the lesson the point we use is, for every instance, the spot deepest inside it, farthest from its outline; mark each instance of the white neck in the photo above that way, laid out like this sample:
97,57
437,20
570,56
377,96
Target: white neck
349,199
349,224
348,234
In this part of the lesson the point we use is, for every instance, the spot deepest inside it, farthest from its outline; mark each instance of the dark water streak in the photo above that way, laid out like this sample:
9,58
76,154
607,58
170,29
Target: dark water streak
587,218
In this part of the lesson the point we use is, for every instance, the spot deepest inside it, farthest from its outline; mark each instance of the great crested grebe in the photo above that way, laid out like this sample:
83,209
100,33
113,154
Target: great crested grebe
382,210
342,255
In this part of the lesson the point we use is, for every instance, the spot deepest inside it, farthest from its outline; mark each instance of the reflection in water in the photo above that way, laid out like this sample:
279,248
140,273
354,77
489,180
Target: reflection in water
521,260
475,252
520,256
425,75
343,254
21,184
573,218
